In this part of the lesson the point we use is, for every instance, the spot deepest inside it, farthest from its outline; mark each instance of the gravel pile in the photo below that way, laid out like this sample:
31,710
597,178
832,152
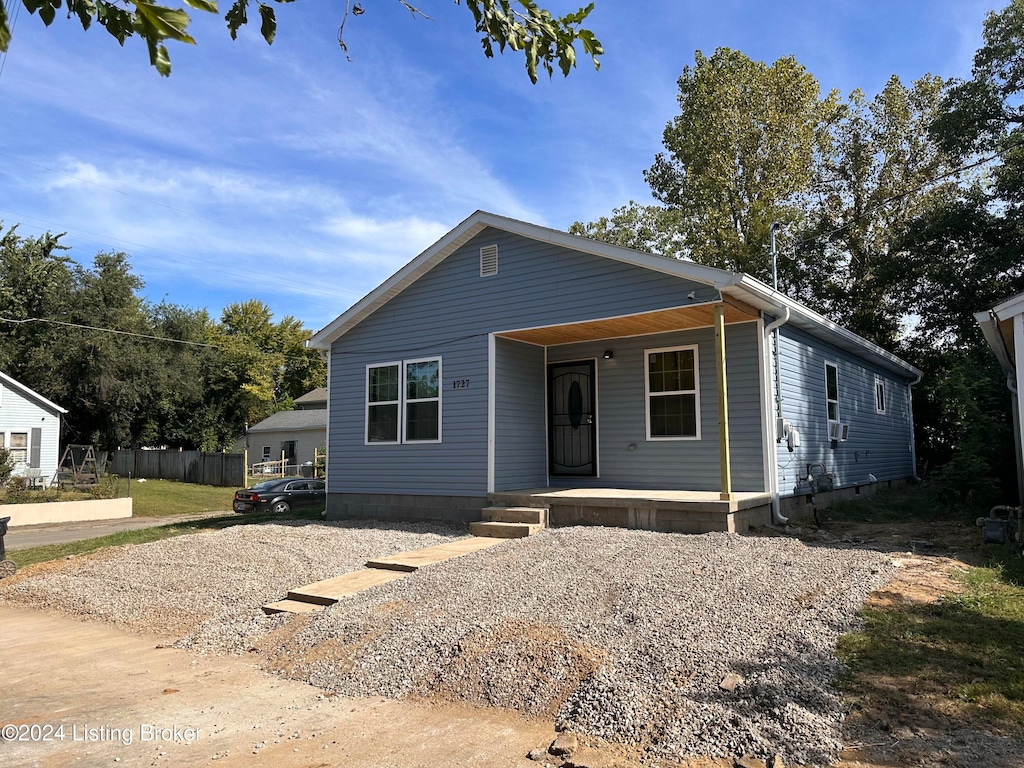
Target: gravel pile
631,636
208,588
716,645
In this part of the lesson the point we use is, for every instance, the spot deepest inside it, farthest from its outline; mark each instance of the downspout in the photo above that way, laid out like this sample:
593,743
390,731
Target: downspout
773,329
913,437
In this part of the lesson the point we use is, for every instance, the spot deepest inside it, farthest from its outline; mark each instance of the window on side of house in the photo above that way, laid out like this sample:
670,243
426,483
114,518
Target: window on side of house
832,391
879,396
266,453
673,394
423,400
383,392
19,447
403,402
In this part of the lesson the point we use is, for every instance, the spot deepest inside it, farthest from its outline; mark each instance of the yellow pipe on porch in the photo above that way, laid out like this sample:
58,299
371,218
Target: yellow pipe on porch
723,405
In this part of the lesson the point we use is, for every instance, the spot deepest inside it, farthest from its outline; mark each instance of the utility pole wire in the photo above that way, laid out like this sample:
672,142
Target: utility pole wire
954,172
136,335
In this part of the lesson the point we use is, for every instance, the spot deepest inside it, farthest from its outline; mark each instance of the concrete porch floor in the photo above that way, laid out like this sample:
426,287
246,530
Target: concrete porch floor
648,509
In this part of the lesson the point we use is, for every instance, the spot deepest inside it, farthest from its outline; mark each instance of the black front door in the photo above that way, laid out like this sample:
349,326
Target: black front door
572,419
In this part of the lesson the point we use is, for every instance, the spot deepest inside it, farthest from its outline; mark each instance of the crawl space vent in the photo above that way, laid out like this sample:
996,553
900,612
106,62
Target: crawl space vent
489,260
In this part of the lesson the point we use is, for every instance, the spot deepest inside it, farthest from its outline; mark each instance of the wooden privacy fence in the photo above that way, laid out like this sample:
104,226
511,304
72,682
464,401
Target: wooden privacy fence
223,469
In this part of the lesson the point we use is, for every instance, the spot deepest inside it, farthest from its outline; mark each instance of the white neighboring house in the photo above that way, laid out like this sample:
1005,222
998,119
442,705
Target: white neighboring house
1003,326
297,435
29,429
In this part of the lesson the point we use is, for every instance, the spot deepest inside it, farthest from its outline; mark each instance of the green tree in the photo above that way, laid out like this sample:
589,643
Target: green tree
876,171
738,157
546,41
978,113
266,365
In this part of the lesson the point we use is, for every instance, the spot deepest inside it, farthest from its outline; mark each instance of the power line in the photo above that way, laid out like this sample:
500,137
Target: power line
882,203
134,334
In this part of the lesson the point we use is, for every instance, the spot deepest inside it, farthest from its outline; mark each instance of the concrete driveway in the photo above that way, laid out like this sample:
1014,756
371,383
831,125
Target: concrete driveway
84,693
28,536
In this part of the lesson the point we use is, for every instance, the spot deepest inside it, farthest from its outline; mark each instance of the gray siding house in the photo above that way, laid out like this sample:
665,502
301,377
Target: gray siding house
29,429
509,361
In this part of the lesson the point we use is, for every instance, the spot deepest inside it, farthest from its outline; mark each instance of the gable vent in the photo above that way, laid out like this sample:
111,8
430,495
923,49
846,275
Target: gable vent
489,260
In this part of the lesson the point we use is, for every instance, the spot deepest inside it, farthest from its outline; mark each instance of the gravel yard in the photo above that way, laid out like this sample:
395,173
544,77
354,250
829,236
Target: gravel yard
212,584
631,636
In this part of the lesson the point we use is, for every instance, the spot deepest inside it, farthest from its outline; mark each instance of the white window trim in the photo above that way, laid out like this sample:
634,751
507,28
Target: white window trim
839,414
695,391
6,443
403,422
880,382
401,402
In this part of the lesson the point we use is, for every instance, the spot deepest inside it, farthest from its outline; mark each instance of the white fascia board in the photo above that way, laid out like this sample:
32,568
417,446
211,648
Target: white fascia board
990,328
1010,307
14,384
472,226
758,294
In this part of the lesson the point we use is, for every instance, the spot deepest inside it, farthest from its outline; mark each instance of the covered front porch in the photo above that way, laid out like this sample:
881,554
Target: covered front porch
581,418
654,510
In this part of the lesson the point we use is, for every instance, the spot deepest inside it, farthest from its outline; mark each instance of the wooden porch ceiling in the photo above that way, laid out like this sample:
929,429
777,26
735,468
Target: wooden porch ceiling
659,321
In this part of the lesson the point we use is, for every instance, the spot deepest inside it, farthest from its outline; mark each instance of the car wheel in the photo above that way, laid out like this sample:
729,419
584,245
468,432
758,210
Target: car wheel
281,508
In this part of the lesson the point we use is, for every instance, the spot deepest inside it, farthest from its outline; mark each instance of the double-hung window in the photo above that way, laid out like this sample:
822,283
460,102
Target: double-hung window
832,392
673,394
18,447
403,402
879,395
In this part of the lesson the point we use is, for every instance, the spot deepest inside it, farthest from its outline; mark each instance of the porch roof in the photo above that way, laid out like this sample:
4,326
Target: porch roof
662,320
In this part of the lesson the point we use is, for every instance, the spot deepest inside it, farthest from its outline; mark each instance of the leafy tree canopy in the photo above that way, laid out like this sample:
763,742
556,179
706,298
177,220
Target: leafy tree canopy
737,155
546,41
133,374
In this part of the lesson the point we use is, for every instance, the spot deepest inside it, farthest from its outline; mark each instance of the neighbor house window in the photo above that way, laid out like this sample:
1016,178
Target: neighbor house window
403,402
673,394
266,453
19,447
879,396
832,391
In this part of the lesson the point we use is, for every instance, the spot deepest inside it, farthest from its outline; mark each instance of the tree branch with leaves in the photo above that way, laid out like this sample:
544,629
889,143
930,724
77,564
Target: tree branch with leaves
545,40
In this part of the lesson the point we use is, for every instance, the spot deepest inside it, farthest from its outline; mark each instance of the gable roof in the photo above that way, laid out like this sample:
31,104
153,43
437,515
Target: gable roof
313,397
314,418
741,286
31,394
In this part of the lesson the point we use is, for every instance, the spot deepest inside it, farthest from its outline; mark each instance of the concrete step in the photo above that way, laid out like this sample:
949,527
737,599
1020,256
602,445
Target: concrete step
330,591
291,606
533,515
516,500
504,530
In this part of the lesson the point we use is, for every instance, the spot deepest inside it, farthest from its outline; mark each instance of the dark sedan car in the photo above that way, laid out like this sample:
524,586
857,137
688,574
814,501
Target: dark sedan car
282,495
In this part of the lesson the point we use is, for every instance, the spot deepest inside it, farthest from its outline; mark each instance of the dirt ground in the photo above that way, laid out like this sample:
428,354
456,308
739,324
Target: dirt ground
127,698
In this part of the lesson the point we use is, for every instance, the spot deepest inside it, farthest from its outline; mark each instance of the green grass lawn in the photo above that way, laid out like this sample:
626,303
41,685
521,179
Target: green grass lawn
159,498
961,656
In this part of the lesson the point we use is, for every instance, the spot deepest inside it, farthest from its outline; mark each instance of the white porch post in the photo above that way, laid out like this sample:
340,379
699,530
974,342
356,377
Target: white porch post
723,405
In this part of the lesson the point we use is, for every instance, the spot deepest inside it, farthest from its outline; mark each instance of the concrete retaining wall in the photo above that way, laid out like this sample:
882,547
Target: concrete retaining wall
66,511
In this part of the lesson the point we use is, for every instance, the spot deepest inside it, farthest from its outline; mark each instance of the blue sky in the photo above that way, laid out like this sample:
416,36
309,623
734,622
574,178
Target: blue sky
288,174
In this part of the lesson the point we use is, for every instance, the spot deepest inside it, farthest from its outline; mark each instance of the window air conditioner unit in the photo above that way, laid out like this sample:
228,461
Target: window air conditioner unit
837,430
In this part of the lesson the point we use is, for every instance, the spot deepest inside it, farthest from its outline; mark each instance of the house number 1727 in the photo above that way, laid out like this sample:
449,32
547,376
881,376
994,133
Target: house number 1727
460,383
